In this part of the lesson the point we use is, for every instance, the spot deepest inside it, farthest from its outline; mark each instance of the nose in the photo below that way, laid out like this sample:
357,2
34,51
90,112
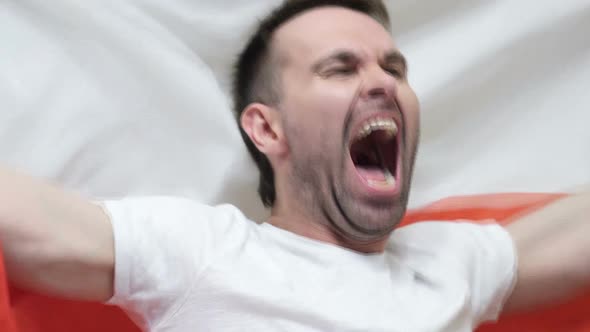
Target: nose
378,83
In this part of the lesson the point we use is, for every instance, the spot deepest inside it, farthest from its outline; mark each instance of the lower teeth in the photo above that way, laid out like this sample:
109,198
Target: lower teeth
389,180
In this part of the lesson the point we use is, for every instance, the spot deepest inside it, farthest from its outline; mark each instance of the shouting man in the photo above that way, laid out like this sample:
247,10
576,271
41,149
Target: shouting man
325,108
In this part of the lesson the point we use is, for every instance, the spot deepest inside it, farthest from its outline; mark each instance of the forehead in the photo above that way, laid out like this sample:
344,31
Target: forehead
319,31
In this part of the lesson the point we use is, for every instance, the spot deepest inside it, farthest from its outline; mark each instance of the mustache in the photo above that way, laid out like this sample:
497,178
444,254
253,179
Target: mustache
380,104
356,107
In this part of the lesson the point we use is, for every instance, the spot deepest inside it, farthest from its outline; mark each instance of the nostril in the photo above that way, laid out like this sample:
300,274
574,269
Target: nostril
377,92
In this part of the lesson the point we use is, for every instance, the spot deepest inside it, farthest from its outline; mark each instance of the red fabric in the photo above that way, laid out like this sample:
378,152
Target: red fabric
34,313
27,312
7,322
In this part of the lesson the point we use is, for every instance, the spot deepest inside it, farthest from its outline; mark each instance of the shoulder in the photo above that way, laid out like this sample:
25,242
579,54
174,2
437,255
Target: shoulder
167,205
446,231
181,227
480,256
430,233
167,210
159,237
459,242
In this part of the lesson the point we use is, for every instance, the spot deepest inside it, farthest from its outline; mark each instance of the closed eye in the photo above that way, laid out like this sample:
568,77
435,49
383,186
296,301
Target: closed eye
395,72
344,71
395,63
339,63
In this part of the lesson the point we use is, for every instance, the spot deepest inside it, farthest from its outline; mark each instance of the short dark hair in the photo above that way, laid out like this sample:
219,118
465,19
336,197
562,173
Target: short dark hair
255,78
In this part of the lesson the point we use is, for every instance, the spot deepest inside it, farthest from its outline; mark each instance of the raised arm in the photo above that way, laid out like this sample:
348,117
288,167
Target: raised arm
54,242
553,246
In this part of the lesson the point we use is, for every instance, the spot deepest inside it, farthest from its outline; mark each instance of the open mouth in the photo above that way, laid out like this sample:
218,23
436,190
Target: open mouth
374,153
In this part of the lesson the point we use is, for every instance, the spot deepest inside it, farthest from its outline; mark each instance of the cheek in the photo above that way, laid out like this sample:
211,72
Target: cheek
312,137
328,97
411,108
316,112
320,115
311,133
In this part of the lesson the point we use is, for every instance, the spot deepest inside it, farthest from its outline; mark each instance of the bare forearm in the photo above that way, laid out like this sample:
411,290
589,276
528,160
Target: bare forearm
554,253
53,241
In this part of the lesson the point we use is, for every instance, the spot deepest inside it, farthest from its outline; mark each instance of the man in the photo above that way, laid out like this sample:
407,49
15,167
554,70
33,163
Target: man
325,108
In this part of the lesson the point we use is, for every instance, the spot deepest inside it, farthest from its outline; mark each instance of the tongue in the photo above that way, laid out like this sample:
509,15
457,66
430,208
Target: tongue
372,173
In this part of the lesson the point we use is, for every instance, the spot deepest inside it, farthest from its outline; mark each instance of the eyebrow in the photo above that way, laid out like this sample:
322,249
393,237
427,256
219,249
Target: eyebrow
343,56
396,57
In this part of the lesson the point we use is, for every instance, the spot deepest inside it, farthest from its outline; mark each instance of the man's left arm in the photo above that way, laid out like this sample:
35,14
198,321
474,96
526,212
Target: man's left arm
553,248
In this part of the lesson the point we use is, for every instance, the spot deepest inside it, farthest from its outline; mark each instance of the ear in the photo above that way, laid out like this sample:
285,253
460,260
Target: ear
262,124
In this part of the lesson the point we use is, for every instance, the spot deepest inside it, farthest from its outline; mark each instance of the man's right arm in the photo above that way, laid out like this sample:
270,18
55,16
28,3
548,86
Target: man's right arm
54,242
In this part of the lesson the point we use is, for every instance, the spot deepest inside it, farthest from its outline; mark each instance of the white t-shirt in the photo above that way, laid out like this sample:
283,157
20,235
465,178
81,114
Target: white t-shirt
184,266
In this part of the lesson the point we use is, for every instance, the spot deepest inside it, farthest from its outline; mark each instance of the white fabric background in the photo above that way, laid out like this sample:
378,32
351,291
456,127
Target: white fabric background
115,98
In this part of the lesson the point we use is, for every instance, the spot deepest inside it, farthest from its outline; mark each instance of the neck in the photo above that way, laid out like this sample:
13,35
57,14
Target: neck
312,228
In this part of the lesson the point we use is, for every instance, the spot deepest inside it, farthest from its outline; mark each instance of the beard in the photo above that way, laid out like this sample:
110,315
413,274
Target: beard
321,174
326,195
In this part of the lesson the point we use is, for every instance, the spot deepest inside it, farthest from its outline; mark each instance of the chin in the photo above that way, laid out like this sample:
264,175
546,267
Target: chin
373,221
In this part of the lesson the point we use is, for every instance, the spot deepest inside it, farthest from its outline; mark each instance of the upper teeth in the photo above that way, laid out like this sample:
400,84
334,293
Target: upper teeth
388,125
